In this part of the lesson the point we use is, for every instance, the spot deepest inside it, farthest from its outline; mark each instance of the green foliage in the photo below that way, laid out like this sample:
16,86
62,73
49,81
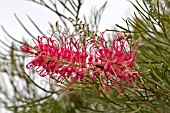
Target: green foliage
152,25
151,22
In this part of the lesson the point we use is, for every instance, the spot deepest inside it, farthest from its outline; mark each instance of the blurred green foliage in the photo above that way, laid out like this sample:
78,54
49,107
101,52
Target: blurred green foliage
151,22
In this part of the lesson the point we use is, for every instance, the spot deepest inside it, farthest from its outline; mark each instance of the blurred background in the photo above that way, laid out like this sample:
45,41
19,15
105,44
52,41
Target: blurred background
24,91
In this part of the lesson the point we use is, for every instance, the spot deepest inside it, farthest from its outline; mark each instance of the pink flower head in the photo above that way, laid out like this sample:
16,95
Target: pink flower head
114,63
70,59
58,59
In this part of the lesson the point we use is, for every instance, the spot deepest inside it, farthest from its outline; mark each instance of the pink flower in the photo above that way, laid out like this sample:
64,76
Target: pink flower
59,59
114,64
71,59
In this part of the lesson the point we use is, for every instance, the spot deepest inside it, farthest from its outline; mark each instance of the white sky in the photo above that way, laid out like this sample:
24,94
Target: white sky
115,11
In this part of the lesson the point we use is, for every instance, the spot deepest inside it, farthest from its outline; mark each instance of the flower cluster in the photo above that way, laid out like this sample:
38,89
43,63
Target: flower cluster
114,63
58,58
78,59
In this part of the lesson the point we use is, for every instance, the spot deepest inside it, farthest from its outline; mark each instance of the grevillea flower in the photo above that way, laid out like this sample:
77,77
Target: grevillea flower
114,64
57,58
71,59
